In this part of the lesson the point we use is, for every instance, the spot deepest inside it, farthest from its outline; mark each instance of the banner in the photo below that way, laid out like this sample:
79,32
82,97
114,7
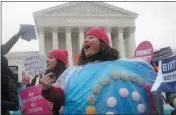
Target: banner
34,65
29,32
166,78
162,53
34,102
144,51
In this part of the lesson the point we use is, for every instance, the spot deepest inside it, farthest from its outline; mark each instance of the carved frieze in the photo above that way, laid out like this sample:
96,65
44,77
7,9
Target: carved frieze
86,8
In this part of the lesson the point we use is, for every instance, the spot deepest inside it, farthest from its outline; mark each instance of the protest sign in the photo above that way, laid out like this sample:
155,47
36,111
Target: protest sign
166,78
29,32
162,53
34,65
168,67
34,102
144,51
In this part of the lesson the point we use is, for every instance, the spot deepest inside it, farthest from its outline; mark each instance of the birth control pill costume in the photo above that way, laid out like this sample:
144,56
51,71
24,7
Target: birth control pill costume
108,87
119,87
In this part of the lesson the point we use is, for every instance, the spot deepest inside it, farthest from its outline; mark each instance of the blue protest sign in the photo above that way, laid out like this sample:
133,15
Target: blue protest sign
167,72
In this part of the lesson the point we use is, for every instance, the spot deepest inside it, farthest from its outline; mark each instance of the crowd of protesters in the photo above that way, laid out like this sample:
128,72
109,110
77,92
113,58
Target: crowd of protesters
60,82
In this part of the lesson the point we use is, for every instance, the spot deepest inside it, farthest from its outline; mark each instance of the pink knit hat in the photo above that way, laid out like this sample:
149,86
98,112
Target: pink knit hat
61,55
99,33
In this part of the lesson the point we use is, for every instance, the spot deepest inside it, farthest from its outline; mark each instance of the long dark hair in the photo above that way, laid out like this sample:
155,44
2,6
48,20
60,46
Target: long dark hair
106,53
58,70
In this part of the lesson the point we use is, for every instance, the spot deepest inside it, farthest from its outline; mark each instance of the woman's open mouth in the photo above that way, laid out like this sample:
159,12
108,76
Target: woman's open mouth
86,47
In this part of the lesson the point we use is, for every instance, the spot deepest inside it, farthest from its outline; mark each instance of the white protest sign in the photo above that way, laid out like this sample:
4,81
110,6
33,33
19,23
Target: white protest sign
34,65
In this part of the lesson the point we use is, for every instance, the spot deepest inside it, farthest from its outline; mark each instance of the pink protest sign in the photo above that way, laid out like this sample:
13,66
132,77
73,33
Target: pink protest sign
34,102
144,51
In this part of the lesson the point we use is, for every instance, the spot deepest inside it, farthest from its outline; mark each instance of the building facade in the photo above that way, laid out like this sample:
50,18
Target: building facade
64,27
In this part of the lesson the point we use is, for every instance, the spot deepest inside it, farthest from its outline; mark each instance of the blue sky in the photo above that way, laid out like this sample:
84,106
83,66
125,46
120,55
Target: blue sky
156,21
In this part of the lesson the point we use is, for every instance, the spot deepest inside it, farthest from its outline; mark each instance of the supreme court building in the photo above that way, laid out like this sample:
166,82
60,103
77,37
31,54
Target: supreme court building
64,27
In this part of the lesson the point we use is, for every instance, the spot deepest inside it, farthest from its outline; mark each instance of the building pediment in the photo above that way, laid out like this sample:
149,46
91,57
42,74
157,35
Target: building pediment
85,8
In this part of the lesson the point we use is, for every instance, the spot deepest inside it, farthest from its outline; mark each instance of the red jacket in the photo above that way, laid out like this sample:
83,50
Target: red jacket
56,96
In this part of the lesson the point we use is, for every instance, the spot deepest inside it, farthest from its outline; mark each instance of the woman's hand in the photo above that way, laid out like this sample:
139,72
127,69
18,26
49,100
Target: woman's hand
46,81
22,109
50,104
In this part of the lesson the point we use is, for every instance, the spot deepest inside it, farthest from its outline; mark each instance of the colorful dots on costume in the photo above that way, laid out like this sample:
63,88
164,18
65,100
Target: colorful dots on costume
115,76
96,89
147,87
140,82
123,92
132,78
91,99
124,77
110,113
136,96
111,102
90,110
105,81
141,108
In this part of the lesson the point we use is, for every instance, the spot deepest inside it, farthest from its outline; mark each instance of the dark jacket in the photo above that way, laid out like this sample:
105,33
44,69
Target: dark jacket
170,97
9,44
56,96
9,95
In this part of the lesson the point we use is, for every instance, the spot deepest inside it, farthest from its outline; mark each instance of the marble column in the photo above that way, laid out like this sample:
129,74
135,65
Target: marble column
116,45
108,30
41,41
55,38
121,46
131,42
81,38
69,46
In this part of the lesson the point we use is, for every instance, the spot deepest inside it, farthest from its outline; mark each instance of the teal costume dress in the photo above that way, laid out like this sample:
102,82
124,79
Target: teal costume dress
111,87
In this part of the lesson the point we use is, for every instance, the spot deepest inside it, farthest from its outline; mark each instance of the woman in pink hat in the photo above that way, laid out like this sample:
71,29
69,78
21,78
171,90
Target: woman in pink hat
57,62
103,83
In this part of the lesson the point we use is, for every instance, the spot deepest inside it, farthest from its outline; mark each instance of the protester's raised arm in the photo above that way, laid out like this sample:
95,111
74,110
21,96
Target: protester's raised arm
9,44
